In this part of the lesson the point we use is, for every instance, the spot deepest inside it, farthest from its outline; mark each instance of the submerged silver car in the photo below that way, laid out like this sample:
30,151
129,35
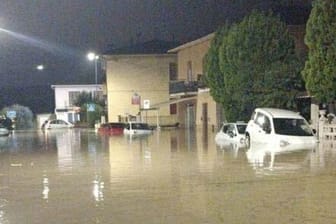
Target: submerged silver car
231,134
56,124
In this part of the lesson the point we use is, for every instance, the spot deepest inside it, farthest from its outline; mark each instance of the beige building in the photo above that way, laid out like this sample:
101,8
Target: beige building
195,105
137,84
168,86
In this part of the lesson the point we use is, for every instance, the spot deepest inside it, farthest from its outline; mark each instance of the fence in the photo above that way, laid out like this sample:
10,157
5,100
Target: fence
327,127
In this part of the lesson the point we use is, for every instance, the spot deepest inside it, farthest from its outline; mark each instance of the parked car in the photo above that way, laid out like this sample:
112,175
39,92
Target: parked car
134,128
231,134
113,128
282,130
4,131
56,124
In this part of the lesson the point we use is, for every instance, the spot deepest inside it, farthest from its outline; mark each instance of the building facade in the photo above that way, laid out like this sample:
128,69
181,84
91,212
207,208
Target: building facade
137,84
65,96
195,105
165,86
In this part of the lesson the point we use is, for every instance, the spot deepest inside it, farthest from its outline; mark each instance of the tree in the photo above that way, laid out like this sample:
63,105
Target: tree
320,69
85,97
24,116
84,100
258,66
213,75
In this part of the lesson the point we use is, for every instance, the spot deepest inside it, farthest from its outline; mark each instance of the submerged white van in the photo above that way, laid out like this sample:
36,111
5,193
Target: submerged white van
283,130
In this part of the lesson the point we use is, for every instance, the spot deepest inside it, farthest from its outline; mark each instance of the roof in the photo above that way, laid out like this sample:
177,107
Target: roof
280,113
192,43
78,86
149,47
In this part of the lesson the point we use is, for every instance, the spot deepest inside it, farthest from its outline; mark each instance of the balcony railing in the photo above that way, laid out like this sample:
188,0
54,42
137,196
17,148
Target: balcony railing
183,86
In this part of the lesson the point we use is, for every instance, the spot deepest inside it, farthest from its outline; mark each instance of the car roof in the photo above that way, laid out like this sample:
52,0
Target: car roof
279,113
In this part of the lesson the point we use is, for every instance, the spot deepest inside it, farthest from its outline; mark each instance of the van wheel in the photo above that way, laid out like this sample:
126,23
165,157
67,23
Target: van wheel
248,141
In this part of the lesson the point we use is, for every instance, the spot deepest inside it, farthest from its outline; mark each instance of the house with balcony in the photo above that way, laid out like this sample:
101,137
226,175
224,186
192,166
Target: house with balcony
137,83
66,95
195,106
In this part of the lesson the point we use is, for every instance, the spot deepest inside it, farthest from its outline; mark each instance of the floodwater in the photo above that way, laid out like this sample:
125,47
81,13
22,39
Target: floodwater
172,176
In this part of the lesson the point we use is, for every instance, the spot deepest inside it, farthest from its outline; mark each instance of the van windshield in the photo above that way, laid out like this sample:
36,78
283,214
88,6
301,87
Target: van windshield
291,126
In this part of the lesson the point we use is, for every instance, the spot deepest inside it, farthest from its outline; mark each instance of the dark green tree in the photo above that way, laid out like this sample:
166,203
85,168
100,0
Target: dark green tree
259,66
320,69
213,75
83,101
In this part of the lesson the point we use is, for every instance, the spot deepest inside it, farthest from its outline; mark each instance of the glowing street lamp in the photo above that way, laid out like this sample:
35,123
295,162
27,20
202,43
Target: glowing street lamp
40,67
94,57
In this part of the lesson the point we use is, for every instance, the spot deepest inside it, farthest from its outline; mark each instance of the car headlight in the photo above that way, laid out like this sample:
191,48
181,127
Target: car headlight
283,143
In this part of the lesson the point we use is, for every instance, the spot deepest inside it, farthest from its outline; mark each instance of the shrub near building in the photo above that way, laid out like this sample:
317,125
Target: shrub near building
23,116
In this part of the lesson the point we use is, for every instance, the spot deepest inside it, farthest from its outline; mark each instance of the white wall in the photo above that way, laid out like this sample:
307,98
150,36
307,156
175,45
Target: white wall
62,93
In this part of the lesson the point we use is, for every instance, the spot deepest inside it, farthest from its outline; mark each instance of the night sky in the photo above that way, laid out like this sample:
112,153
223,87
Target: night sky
59,33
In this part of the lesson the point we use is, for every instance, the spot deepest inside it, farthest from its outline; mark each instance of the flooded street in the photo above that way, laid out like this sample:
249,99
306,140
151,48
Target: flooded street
172,176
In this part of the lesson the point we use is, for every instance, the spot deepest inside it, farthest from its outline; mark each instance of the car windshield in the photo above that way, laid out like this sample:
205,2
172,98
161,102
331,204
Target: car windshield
241,128
291,126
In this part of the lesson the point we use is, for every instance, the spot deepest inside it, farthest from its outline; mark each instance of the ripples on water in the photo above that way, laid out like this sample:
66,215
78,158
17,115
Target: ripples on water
176,176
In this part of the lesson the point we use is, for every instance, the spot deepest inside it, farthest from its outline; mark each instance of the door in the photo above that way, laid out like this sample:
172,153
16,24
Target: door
205,116
262,128
190,116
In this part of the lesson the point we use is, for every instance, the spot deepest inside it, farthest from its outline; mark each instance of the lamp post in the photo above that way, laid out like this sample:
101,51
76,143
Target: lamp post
94,57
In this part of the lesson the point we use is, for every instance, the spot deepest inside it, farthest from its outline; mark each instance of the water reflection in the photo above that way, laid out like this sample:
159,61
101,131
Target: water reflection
3,218
67,144
98,187
3,142
171,176
264,157
45,190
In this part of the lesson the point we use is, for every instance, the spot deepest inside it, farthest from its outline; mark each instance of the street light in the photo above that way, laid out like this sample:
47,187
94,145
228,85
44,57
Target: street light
40,67
94,57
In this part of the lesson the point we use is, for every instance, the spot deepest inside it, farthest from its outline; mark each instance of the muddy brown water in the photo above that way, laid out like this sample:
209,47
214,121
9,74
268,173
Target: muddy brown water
171,176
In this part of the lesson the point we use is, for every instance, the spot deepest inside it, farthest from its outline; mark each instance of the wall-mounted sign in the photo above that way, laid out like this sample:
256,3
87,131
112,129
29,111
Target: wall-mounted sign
136,99
91,107
146,104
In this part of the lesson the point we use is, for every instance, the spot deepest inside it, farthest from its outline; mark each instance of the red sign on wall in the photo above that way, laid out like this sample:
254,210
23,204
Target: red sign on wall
136,99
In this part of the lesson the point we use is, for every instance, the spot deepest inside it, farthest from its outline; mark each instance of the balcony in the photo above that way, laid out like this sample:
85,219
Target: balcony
185,87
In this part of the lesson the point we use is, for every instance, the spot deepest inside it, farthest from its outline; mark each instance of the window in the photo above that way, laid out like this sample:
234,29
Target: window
173,108
172,71
260,119
264,122
225,128
189,71
231,130
291,126
73,95
199,77
61,122
241,128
